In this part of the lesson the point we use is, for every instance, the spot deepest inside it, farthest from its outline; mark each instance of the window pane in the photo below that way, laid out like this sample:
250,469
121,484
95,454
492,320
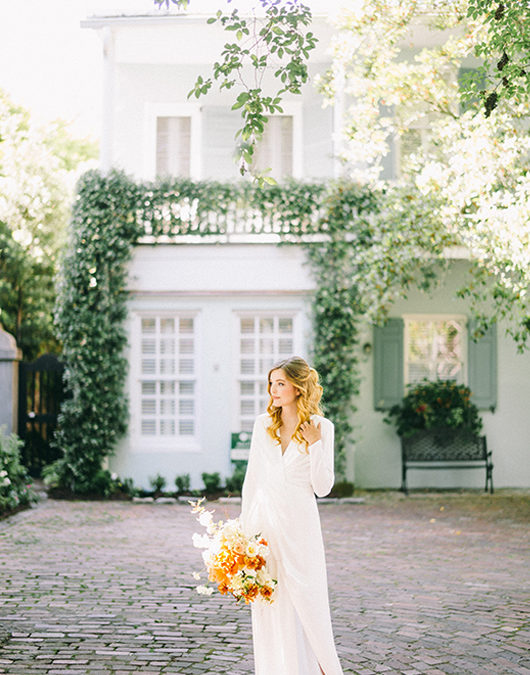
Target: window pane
186,387
148,406
186,346
247,388
167,366
248,346
148,366
167,325
148,325
275,150
167,346
167,387
148,427
148,387
247,367
186,407
167,427
285,347
247,407
148,346
186,326
435,349
186,428
186,366
266,325
173,146
167,406
247,325
285,325
266,346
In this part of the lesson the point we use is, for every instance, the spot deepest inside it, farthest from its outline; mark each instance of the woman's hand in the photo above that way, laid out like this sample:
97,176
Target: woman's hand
310,432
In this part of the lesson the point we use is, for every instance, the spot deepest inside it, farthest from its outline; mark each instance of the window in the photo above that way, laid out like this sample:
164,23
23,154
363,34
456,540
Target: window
406,350
263,340
167,383
275,151
173,146
435,348
172,142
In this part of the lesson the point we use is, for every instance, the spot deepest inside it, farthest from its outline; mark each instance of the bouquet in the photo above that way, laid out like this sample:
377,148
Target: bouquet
235,562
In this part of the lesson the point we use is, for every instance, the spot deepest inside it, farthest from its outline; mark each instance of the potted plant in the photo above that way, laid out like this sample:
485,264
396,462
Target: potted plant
435,405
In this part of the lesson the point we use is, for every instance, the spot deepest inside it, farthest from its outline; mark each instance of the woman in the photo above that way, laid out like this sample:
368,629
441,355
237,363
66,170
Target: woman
291,459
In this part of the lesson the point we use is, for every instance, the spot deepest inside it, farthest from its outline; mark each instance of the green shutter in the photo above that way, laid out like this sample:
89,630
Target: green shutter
388,364
482,364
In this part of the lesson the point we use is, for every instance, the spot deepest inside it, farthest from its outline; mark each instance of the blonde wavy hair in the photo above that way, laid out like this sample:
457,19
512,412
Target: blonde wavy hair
305,379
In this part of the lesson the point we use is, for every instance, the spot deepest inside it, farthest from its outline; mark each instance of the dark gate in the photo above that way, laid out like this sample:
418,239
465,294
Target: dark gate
41,391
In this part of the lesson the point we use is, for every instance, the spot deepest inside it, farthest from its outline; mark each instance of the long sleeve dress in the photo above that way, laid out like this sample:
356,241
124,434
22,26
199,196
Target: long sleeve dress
293,635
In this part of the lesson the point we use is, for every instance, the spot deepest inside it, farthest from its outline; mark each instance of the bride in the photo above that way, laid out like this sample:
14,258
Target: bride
291,459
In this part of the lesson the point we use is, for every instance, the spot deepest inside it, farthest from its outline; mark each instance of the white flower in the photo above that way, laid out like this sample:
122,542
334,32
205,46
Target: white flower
196,576
205,518
204,590
252,549
114,476
7,481
3,473
201,540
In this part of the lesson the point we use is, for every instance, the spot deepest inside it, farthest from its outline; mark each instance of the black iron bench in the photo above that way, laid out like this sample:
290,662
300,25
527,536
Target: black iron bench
445,449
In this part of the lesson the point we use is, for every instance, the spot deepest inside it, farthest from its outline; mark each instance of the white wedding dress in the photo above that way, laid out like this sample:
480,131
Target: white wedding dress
293,635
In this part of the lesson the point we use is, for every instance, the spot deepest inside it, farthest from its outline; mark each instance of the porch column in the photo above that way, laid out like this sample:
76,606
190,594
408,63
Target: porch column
10,356
107,136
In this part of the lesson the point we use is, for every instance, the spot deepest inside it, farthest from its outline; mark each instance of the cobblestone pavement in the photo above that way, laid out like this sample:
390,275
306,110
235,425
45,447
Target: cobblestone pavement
433,583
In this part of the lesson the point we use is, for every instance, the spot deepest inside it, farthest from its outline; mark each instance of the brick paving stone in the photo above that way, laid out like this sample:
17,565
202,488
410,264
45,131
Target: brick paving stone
105,588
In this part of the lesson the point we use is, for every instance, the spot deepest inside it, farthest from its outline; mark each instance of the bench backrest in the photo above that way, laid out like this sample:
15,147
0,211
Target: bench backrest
443,445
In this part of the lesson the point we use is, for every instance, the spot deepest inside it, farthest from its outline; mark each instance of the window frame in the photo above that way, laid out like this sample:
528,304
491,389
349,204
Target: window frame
157,442
152,111
407,318
294,314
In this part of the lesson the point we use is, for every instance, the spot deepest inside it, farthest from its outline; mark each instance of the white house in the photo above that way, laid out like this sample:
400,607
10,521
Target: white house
208,316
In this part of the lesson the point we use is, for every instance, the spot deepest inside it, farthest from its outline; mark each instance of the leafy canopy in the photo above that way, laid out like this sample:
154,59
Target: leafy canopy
38,168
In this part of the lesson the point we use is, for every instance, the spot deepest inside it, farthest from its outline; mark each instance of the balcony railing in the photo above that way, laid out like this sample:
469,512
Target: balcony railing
229,211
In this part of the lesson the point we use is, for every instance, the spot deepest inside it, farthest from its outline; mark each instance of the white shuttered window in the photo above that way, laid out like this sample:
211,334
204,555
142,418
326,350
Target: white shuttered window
263,340
167,377
173,146
275,150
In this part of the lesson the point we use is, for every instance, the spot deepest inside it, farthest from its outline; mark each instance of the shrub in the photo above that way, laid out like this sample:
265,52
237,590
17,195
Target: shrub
183,482
343,488
212,482
234,483
15,483
429,405
157,482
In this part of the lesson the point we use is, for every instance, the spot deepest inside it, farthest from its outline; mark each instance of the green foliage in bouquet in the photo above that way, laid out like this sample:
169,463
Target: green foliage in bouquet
429,405
15,483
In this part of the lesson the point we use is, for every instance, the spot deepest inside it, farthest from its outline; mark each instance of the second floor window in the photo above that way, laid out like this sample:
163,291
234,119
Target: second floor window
173,146
275,151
